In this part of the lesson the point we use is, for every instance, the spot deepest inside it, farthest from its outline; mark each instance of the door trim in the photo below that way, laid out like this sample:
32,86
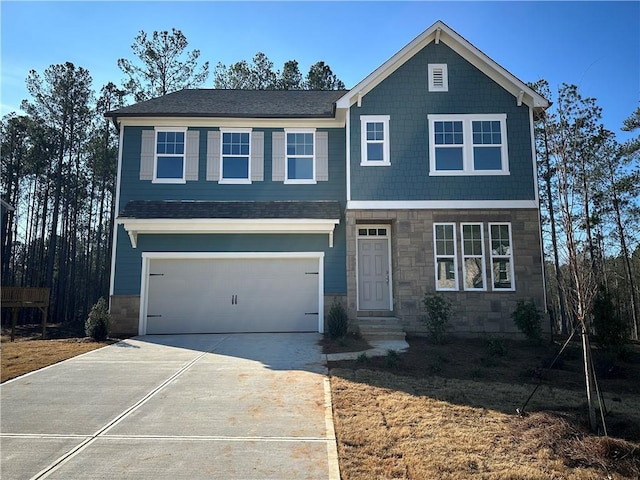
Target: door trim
148,256
388,237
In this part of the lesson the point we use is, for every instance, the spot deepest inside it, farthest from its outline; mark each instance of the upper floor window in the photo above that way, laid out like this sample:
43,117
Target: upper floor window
468,145
235,156
375,140
169,162
438,77
300,157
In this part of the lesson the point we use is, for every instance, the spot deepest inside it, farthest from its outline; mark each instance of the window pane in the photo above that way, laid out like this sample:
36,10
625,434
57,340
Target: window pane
446,274
169,167
501,273
375,152
472,239
486,133
382,231
449,159
300,168
375,131
444,240
500,240
299,143
362,231
235,167
473,273
487,158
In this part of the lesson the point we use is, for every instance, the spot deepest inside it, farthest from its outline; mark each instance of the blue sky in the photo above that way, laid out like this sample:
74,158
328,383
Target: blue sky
595,45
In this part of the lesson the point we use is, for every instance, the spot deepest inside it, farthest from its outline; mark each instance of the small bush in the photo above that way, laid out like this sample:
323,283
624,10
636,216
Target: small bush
439,311
528,319
98,322
497,347
338,320
363,358
392,359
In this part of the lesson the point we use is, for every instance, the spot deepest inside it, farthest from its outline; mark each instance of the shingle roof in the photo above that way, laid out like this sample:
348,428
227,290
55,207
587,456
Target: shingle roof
186,209
237,103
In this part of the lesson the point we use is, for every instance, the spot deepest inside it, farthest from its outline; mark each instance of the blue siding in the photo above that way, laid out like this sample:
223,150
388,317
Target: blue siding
132,188
129,260
405,97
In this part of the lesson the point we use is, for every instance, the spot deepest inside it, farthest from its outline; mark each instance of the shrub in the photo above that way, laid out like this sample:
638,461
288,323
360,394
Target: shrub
438,314
338,320
97,324
392,359
497,347
609,329
528,319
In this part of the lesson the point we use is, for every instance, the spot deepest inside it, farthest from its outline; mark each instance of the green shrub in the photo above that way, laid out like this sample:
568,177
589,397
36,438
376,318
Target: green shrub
610,330
497,347
528,319
392,359
338,320
98,322
363,358
439,311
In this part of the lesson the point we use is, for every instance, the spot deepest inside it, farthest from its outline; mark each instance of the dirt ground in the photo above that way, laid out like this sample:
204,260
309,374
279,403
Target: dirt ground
449,412
29,352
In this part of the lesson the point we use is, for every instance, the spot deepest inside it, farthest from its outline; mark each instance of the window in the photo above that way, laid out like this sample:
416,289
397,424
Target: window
438,78
468,145
300,164
501,256
444,235
169,157
235,156
473,256
375,140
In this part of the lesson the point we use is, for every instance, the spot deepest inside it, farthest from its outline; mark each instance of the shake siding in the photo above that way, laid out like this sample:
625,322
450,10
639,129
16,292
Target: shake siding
405,97
132,188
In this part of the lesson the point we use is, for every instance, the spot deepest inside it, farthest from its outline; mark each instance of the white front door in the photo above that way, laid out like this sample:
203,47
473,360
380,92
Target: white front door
374,273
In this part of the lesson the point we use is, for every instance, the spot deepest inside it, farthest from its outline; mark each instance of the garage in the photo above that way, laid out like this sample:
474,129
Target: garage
231,293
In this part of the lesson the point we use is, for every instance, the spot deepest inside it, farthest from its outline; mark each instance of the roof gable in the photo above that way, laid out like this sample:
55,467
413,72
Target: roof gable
440,32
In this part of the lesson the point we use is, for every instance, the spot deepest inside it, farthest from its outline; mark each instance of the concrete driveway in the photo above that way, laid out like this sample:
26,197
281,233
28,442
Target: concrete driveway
244,406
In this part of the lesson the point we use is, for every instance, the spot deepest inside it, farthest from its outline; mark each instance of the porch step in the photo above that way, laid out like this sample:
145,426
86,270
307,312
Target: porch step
381,328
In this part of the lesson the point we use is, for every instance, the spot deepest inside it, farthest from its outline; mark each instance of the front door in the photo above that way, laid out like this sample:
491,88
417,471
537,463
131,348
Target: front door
373,268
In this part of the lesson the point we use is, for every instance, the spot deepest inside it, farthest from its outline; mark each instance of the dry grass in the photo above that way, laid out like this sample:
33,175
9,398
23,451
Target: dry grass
407,422
26,354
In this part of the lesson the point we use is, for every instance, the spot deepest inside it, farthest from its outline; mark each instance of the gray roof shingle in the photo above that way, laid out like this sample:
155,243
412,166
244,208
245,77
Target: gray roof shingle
237,103
186,209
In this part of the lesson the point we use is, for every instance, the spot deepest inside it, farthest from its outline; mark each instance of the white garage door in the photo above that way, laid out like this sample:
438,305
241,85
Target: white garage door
220,295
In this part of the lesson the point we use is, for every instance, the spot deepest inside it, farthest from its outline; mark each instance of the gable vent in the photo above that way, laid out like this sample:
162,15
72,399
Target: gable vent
438,78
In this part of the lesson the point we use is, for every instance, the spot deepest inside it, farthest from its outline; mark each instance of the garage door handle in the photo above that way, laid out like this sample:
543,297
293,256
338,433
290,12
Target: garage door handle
311,313
153,316
234,299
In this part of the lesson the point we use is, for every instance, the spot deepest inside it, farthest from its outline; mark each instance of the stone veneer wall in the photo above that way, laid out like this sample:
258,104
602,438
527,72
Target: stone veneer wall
413,267
125,314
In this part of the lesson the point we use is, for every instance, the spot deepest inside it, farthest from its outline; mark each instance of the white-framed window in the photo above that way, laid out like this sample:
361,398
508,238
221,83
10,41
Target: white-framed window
235,157
300,164
374,131
438,77
169,158
444,240
473,264
501,256
468,144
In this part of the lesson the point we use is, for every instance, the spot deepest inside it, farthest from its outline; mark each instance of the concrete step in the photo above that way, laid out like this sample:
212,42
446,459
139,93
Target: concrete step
381,328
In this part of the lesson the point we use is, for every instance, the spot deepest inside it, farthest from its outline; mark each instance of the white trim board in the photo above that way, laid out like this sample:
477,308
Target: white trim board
226,122
440,204
148,256
136,226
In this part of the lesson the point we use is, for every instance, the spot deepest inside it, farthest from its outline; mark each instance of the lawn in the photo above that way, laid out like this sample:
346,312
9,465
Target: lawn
29,352
448,412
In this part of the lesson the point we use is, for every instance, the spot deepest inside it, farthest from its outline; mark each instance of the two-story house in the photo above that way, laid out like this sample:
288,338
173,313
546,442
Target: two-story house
252,211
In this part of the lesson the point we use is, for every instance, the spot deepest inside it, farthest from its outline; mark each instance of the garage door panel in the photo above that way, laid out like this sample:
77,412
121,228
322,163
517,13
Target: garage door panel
232,295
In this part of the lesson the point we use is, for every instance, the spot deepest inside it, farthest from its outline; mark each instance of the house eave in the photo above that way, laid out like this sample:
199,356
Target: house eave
442,33
337,121
138,226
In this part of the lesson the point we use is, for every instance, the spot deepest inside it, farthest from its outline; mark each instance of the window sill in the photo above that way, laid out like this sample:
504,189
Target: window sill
464,173
235,181
300,182
169,180
375,164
